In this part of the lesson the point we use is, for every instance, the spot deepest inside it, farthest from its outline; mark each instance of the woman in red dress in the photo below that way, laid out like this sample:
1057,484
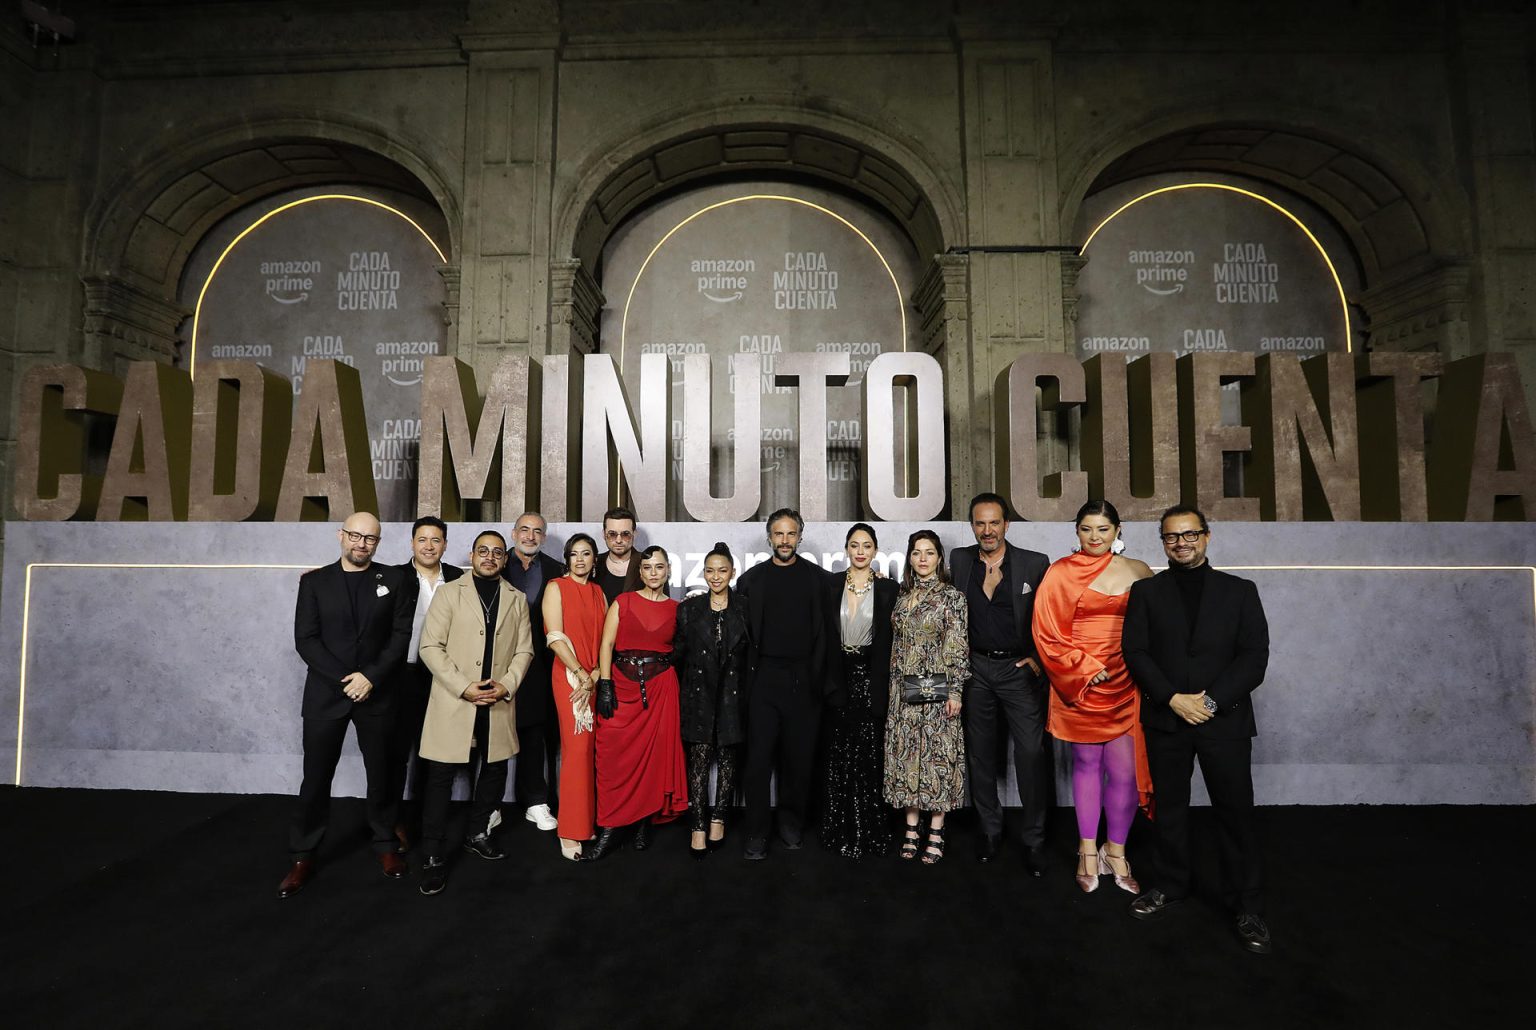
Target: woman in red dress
574,608
1094,705
641,772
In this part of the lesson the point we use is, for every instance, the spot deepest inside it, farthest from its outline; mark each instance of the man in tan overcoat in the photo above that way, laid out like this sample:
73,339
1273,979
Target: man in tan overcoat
478,642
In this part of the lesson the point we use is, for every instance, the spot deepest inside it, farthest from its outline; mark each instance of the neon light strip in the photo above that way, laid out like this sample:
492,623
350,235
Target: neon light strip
197,312
1338,284
26,618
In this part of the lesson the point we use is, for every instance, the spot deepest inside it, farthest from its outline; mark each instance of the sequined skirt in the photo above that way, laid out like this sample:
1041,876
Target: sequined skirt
855,819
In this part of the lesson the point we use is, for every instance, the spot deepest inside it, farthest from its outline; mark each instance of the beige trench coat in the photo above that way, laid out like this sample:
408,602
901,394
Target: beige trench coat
453,647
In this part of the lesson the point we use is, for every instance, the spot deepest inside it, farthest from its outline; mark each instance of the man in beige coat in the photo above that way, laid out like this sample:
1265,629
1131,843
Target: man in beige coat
477,641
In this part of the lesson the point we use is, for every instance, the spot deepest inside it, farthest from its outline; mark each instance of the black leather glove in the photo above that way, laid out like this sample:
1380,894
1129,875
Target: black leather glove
607,700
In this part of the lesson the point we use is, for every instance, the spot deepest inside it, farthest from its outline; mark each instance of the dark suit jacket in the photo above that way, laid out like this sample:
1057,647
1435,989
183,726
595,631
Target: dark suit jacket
413,586
533,704
814,584
714,696
1024,568
1226,657
880,643
333,645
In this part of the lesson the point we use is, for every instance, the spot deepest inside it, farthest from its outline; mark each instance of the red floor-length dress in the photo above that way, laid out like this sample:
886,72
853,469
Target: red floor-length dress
640,766
582,611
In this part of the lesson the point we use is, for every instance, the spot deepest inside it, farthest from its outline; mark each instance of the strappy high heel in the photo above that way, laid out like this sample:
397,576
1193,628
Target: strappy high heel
1089,882
935,849
1127,882
910,840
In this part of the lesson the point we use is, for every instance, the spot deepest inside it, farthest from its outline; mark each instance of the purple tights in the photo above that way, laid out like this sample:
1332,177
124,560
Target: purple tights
1104,776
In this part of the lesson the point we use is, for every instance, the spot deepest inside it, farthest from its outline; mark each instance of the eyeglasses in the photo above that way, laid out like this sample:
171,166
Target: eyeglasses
1189,536
619,534
361,538
490,552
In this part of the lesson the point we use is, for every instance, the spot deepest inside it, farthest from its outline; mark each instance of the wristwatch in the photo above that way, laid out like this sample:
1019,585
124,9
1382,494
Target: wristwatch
1210,703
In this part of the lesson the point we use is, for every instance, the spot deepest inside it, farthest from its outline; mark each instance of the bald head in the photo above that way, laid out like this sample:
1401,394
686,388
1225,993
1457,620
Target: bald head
359,537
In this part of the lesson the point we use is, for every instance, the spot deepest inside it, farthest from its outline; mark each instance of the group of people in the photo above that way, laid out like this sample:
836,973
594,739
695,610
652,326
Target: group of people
854,695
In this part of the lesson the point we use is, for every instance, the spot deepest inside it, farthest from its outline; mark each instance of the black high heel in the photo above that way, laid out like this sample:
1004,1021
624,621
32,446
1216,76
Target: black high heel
607,840
642,838
711,843
935,849
909,842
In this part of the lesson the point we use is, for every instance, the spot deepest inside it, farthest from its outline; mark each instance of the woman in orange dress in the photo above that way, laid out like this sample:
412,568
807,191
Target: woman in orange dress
574,609
1094,705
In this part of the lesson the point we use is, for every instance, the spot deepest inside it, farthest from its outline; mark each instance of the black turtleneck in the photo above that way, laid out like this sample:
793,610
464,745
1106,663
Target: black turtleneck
490,599
1191,584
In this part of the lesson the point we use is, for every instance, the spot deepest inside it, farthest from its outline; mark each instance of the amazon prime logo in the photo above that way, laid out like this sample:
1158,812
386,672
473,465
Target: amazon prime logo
1162,272
289,282
722,280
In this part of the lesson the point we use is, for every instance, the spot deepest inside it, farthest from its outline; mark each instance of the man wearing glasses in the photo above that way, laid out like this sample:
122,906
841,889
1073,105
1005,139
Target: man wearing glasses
351,626
478,644
613,564
1197,643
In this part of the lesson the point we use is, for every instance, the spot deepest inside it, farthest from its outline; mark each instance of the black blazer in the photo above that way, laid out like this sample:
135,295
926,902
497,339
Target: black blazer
880,641
412,584
1025,569
714,696
533,704
1226,657
333,645
814,584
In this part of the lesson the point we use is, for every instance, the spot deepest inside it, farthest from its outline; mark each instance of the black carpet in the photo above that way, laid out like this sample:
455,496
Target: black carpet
125,908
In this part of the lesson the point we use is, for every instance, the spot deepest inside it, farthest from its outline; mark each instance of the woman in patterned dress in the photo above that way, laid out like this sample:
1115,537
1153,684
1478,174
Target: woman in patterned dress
925,743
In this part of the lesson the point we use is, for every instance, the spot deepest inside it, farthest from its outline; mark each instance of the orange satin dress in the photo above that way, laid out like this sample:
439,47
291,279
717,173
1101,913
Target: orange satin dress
583,608
1077,632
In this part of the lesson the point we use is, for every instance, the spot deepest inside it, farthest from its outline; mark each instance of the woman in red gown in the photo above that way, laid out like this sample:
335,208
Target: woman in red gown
1094,705
641,772
574,609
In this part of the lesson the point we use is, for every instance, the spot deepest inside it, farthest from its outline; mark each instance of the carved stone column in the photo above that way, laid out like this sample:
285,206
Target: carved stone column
452,277
1425,312
943,303
575,302
123,324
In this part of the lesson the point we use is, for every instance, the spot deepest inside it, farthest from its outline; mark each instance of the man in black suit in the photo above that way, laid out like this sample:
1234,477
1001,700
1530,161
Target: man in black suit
999,582
530,570
1197,644
351,626
787,684
421,577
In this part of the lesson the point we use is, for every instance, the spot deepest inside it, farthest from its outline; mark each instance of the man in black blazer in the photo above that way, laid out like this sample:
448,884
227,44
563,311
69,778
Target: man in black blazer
1197,644
999,582
351,626
529,569
412,685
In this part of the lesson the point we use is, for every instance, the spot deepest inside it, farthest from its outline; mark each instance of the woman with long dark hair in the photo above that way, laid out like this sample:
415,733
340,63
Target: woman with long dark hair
574,609
711,644
855,821
1094,705
930,662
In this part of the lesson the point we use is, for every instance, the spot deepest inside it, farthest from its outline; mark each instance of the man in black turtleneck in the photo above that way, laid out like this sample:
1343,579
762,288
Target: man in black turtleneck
1197,644
786,662
478,643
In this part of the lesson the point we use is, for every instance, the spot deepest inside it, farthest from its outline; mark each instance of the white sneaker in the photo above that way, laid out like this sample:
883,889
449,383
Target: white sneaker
541,817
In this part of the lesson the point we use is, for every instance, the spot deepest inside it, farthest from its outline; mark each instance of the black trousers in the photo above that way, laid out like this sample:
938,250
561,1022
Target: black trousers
322,749
408,771
538,746
783,714
1227,767
1001,692
488,780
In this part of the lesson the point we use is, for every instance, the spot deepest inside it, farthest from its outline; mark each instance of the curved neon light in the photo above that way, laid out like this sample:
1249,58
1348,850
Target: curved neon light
624,321
1349,344
197,311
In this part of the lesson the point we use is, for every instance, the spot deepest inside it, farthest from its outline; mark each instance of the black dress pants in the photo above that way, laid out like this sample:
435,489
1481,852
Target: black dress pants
1000,692
538,745
1226,766
488,784
408,771
323,739
783,713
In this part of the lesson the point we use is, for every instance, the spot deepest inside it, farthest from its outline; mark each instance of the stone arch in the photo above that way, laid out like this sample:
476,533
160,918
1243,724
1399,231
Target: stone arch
144,225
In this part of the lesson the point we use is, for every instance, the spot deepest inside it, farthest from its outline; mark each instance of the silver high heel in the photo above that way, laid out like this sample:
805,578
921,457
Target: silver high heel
1089,882
1127,882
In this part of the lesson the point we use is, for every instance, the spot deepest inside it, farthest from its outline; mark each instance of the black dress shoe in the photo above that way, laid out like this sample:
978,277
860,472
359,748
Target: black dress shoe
434,875
607,840
642,838
394,866
482,845
756,849
1152,904
986,847
792,840
1253,932
297,877
1034,860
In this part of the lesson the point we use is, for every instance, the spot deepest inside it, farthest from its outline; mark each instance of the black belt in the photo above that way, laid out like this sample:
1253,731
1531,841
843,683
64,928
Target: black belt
641,666
999,656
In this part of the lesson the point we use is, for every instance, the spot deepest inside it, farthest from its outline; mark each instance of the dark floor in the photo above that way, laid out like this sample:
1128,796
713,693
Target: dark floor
147,909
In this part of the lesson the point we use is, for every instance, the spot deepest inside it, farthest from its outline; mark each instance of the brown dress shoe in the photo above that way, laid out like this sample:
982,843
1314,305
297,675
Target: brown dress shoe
394,865
403,839
297,877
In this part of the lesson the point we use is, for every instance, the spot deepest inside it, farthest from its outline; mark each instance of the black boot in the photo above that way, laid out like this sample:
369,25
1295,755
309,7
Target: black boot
642,838
607,840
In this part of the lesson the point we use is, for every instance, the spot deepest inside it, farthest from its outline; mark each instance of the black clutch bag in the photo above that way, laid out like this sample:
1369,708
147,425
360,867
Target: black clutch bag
929,689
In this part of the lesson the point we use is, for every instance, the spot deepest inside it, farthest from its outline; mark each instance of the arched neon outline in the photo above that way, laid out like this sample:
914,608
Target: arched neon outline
1349,343
197,311
624,322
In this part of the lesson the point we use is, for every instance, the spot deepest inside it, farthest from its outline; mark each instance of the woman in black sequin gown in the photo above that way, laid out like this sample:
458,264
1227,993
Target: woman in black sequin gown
855,819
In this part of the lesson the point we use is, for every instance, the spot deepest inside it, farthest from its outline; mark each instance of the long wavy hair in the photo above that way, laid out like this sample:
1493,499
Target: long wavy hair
908,579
